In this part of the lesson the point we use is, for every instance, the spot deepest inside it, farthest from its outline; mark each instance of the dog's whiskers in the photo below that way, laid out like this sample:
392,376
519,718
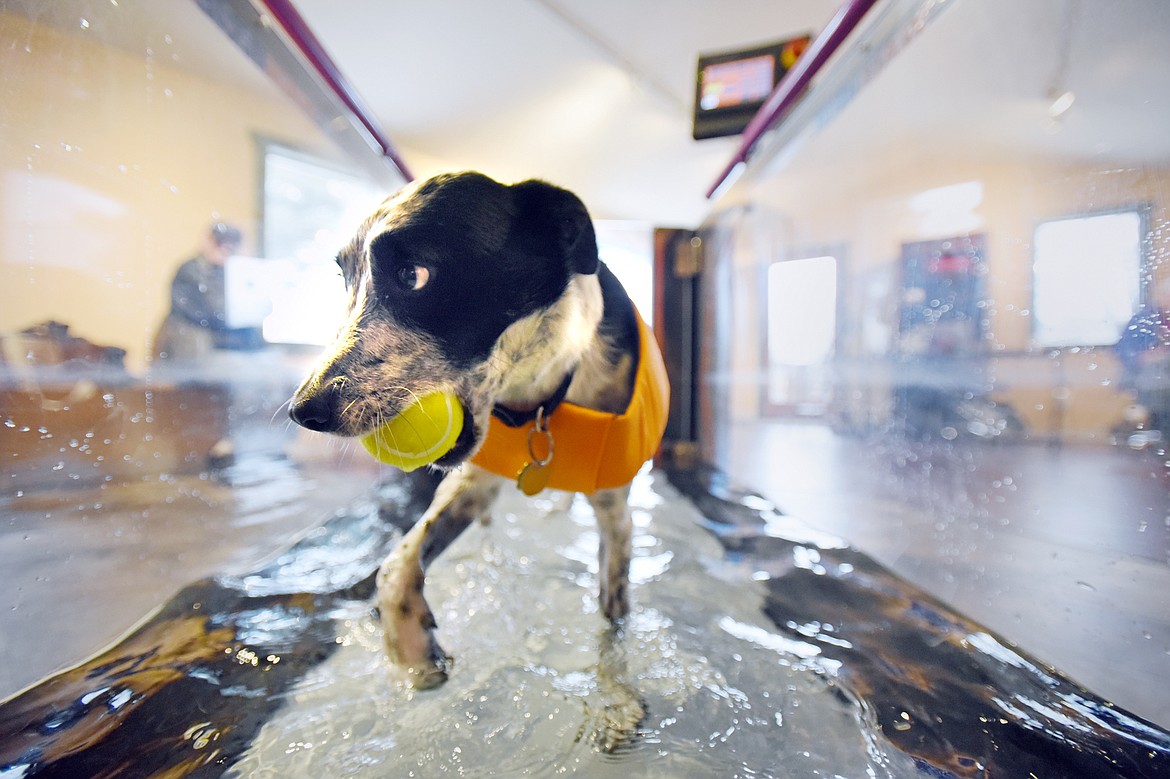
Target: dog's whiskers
281,407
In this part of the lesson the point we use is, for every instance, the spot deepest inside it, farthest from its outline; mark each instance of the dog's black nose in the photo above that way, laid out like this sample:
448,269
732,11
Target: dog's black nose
314,410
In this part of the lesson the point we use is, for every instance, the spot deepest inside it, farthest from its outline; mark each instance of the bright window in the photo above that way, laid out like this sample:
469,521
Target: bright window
627,249
311,209
802,311
1086,278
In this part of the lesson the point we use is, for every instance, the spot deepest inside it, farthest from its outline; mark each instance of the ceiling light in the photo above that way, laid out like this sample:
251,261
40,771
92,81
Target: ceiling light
1061,104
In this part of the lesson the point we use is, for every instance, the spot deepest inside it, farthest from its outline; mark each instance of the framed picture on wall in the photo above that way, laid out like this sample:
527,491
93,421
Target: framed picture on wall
940,309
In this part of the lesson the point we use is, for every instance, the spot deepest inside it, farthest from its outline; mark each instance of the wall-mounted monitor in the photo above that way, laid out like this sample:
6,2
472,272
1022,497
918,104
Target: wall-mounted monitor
731,86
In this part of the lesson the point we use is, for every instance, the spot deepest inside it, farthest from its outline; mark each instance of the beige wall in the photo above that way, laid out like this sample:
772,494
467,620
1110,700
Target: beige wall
111,167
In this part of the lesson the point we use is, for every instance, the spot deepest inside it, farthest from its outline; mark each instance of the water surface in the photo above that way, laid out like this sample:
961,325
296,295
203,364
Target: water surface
756,647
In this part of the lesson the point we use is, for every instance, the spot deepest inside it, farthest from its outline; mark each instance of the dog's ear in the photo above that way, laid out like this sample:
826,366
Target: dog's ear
561,216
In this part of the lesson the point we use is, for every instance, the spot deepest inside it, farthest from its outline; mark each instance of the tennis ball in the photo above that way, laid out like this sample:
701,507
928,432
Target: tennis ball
425,431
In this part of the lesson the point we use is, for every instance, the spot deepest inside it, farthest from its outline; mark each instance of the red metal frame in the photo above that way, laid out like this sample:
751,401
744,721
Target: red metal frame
792,86
294,25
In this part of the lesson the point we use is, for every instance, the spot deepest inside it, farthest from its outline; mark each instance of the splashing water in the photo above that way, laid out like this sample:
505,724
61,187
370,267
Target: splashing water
538,676
755,648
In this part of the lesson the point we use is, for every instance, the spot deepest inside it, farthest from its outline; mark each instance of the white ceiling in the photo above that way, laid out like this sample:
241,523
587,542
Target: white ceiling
596,95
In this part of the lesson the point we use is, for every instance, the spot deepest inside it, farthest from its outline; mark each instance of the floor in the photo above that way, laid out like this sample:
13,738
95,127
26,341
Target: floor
1064,550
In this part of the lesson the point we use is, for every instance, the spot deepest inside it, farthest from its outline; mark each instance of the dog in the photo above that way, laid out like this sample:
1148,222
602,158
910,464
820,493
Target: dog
495,294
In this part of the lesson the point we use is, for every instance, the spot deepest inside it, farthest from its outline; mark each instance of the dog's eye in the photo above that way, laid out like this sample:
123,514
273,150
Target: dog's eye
413,277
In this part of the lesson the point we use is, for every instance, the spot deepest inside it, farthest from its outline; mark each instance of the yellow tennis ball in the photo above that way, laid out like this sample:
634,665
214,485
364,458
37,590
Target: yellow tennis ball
425,431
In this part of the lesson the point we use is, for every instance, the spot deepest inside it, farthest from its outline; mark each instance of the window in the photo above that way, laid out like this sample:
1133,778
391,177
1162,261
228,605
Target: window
802,331
1086,278
627,248
802,311
310,211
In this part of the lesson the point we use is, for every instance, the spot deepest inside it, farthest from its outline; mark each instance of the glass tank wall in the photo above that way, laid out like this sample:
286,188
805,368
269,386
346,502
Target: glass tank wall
912,304
141,431
931,321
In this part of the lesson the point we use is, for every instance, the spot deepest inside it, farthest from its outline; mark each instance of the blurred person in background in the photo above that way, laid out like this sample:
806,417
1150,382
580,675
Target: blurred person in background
196,323
196,347
1144,351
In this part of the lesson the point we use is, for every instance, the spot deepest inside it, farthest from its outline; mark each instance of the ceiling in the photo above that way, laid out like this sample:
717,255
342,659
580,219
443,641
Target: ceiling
597,95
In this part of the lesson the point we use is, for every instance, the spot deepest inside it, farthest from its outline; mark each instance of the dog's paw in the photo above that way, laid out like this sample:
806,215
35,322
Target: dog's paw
408,628
614,725
432,672
615,603
412,648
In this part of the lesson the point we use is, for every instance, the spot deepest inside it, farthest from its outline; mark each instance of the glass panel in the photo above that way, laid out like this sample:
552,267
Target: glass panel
983,433
141,424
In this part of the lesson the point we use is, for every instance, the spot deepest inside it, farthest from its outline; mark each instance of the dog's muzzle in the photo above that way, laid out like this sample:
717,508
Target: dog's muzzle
316,408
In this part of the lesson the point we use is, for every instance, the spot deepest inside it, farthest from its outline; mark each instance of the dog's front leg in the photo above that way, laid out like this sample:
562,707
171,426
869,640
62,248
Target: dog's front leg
407,622
611,507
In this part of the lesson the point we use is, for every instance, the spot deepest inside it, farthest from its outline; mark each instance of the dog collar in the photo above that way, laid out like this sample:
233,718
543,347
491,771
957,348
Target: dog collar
513,418
594,450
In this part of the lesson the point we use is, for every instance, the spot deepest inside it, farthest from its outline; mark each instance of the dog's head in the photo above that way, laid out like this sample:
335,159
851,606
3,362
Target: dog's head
435,276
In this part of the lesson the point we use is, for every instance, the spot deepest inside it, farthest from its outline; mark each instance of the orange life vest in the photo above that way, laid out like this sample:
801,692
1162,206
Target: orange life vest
593,450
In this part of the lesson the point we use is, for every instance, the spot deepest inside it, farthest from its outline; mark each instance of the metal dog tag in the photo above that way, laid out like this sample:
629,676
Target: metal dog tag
533,477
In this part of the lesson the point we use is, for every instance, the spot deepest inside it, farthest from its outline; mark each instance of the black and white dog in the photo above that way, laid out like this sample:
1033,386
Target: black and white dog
495,294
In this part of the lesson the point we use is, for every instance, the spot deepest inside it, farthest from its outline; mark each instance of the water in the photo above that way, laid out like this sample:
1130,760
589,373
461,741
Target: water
756,647
538,675
84,563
